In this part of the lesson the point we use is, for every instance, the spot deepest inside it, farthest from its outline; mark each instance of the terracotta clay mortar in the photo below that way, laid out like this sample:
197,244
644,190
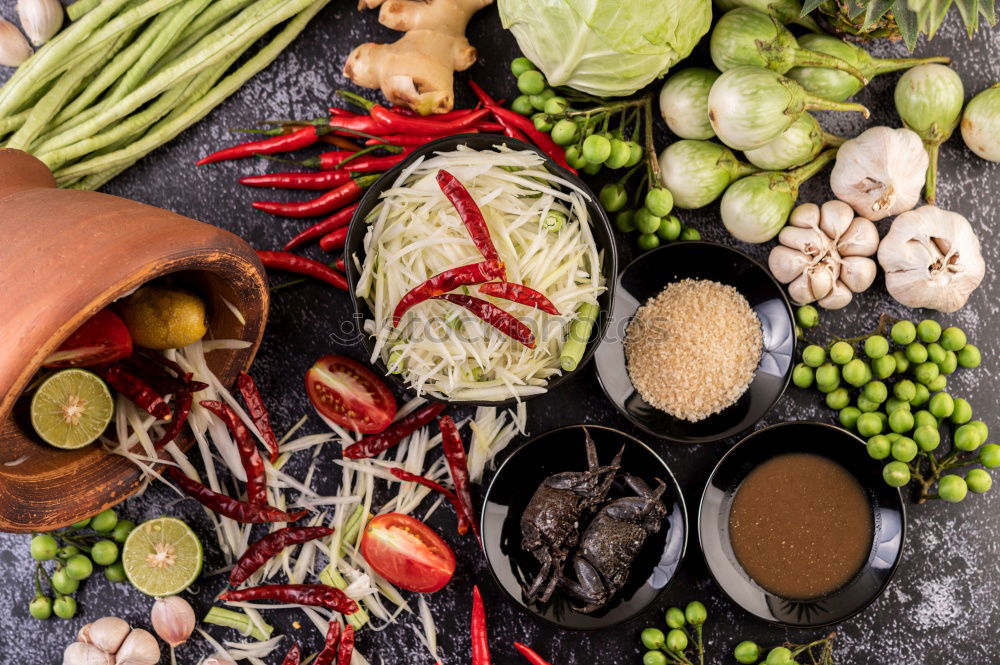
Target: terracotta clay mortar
65,255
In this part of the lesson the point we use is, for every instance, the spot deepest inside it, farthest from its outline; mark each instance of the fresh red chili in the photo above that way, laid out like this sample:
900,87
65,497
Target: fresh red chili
373,445
319,181
135,389
514,133
327,203
446,281
258,413
252,462
540,139
339,141
484,97
463,519
260,552
480,640
341,265
520,294
346,160
493,315
337,220
400,124
183,400
316,595
372,164
300,138
351,125
241,511
301,265
334,240
530,655
470,213
458,465
346,649
329,652
490,127
417,139
294,656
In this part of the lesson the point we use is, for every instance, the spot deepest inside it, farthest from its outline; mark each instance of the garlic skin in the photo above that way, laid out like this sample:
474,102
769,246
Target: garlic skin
106,634
823,254
14,48
139,648
41,19
931,258
79,653
173,619
880,172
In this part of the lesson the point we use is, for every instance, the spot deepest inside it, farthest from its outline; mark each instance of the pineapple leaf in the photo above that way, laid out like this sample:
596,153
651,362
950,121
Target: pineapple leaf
987,9
876,10
906,21
809,6
930,14
855,9
969,9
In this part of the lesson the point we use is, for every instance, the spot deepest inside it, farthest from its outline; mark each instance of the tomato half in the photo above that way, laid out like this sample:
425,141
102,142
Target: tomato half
407,552
102,339
349,394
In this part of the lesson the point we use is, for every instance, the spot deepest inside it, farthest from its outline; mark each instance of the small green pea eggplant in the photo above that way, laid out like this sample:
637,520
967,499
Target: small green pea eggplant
786,11
981,124
697,172
684,102
745,36
754,209
797,145
929,101
838,85
750,106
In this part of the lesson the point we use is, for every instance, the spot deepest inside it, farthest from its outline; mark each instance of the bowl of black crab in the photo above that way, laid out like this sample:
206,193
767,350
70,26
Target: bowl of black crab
601,510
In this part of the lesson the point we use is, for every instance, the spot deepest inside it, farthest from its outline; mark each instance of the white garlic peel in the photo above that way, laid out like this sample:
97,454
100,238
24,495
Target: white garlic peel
14,48
110,641
79,653
106,634
823,254
139,648
931,259
173,619
880,172
41,19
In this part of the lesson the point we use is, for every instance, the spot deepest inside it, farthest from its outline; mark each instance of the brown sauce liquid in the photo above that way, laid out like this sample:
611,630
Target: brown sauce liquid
801,525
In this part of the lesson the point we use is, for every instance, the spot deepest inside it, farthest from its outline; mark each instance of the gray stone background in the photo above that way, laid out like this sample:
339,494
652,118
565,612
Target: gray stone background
942,606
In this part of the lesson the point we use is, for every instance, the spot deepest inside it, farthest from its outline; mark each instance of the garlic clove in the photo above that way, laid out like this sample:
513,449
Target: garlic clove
106,634
799,290
860,239
79,653
786,263
14,48
805,216
41,19
173,619
139,648
835,219
857,273
820,281
811,242
838,298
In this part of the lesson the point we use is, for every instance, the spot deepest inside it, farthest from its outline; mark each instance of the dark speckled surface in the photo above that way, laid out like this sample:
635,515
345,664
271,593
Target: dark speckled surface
943,606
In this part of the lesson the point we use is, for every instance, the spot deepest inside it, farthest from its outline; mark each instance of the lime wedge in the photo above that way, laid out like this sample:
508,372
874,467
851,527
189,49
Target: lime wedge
71,408
162,557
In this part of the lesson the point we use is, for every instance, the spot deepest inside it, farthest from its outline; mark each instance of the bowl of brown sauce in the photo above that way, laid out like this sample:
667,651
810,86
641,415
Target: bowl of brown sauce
797,526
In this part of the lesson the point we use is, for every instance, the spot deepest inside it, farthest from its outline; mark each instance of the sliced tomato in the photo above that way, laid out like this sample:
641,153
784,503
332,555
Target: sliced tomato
102,339
407,552
349,394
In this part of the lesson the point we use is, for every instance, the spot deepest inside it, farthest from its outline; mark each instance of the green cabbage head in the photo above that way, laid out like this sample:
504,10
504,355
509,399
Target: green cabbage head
606,47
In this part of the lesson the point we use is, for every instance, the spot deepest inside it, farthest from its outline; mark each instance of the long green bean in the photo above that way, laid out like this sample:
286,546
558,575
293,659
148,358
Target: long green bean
80,7
219,12
12,122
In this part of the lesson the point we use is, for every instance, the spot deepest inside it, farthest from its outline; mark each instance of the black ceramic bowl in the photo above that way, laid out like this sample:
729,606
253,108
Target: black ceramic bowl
646,277
561,450
600,226
888,513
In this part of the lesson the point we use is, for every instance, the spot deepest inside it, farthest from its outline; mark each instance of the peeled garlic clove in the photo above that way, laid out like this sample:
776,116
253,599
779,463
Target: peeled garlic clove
860,239
880,172
838,298
41,19
820,281
14,48
173,619
857,273
786,263
810,242
79,653
139,648
107,633
835,219
806,216
799,290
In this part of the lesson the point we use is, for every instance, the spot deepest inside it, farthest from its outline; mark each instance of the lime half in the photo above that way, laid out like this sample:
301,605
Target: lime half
71,408
162,557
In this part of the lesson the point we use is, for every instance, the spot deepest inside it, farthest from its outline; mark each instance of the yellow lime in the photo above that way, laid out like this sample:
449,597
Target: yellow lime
162,557
71,408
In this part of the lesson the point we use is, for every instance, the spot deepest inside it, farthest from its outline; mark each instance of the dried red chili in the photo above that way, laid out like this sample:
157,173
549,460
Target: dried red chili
463,519
303,266
346,649
446,281
260,552
294,656
252,462
300,138
329,652
315,595
528,653
241,511
480,639
520,294
183,401
323,205
493,315
258,413
337,220
470,213
135,389
458,466
326,180
334,240
373,445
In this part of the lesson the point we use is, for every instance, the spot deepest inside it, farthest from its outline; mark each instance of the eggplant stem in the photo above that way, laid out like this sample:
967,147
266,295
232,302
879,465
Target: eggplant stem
806,58
930,190
886,65
818,103
832,140
803,173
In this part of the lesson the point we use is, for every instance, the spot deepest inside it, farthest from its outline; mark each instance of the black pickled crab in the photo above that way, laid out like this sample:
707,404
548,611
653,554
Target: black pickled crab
611,543
551,523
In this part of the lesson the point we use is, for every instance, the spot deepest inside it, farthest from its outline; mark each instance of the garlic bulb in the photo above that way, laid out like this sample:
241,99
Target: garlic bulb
106,634
173,619
110,641
14,48
139,648
79,653
931,259
823,254
880,172
41,19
